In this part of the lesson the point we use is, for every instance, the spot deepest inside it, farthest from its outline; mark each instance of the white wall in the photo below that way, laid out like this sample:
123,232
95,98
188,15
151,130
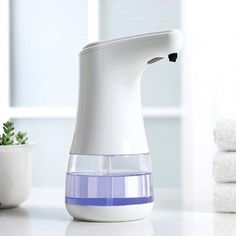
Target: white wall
46,37
209,69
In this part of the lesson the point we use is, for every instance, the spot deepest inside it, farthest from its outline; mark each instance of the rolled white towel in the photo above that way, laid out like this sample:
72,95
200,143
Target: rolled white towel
225,198
225,135
224,167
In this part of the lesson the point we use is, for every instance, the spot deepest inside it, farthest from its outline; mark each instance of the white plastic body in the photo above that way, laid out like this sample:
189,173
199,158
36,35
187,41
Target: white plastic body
111,213
15,174
109,118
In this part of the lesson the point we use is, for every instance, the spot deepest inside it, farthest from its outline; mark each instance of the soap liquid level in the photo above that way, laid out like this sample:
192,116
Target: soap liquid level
109,190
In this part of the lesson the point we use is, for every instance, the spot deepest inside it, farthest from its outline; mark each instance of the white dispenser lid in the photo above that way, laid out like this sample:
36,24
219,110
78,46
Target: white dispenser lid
109,119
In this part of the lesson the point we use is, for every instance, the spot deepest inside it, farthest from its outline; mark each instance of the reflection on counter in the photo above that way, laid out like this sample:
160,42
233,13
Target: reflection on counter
137,228
15,220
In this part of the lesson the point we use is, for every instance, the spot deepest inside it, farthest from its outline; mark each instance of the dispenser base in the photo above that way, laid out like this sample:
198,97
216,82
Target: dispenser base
110,213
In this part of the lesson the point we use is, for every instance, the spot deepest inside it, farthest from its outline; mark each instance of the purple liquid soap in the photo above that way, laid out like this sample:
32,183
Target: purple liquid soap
108,190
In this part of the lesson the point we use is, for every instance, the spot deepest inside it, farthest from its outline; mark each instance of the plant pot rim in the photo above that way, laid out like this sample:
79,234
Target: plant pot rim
16,146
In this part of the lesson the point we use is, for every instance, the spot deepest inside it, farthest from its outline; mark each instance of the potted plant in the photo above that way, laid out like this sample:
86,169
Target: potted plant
15,167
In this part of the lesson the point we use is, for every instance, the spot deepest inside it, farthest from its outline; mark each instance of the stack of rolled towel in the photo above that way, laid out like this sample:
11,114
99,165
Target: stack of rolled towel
224,166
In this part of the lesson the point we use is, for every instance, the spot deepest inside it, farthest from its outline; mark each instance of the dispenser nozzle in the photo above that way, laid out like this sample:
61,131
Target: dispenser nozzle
172,57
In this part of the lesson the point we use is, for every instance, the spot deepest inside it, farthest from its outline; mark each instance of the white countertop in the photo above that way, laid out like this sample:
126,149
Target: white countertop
44,214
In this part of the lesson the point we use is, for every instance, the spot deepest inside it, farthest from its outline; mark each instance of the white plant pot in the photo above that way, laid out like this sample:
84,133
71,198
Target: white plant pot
15,174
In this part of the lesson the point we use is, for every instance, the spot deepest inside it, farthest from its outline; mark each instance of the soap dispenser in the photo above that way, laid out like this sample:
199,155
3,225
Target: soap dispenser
109,176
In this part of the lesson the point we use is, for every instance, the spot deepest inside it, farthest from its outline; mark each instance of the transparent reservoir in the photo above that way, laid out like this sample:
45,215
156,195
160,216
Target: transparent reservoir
109,180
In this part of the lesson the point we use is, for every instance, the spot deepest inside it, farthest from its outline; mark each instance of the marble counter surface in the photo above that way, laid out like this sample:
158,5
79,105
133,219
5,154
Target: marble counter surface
44,214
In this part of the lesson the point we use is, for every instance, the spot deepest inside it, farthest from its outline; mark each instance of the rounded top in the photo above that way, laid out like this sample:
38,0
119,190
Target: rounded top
113,42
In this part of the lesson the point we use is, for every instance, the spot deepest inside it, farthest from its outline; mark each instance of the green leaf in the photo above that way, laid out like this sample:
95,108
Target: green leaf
21,138
9,137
